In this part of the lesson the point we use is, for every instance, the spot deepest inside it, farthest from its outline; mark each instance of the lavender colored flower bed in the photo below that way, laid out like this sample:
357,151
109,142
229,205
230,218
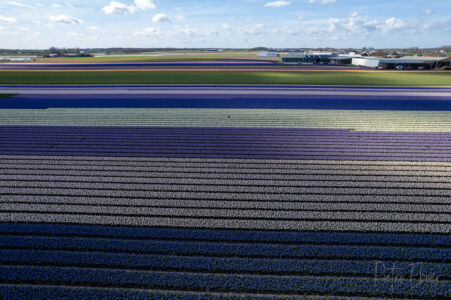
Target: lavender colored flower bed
223,143
185,133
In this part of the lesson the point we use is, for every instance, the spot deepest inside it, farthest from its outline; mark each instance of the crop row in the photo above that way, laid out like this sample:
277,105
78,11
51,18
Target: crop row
359,120
229,249
226,283
60,292
241,101
193,154
222,265
282,237
205,131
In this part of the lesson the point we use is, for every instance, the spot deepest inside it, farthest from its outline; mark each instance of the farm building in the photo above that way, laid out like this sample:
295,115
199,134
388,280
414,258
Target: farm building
370,62
267,54
404,62
8,58
341,59
308,57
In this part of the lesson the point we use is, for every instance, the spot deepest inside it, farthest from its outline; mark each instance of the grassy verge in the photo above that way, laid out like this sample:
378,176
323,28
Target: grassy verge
231,77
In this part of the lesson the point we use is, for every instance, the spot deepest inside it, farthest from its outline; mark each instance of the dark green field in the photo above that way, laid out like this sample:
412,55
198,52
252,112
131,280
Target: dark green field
232,77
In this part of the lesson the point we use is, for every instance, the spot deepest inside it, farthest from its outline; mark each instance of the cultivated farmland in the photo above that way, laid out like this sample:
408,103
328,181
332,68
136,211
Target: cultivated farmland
224,191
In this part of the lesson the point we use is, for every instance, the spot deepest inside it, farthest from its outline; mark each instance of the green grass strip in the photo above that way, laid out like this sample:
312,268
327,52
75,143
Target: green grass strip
231,77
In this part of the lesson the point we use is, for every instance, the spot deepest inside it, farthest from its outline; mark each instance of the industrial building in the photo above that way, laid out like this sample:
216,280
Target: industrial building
343,59
403,63
8,58
308,57
407,63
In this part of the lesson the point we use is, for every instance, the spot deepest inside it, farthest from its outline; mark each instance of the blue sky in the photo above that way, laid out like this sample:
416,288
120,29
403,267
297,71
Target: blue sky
224,23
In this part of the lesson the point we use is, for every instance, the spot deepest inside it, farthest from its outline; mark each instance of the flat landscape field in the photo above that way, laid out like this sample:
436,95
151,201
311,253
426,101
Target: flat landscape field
375,78
232,184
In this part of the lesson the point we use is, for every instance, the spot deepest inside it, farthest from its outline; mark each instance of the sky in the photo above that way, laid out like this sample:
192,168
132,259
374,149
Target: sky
40,24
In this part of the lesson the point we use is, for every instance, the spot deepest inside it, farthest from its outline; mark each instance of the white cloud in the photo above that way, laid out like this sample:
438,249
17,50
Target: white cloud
354,23
393,24
356,26
438,26
278,4
252,31
323,1
427,12
65,19
118,8
145,4
301,18
150,31
187,33
257,29
93,28
56,5
74,36
7,19
161,18
19,4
